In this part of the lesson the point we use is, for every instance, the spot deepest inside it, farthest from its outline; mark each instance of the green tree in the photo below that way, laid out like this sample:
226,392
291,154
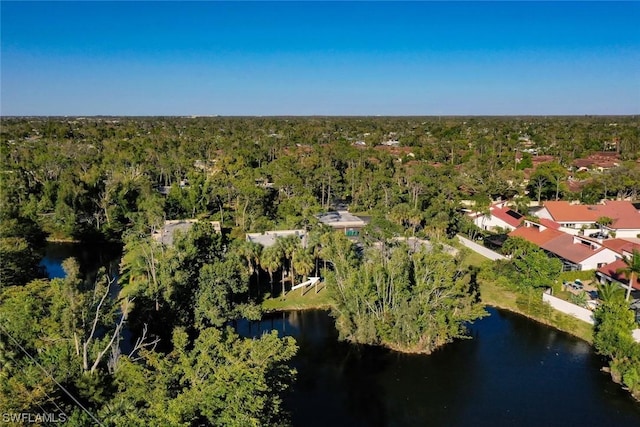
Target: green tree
609,291
18,262
303,263
612,332
271,260
251,253
414,302
530,267
220,379
631,270
604,221
547,181
219,286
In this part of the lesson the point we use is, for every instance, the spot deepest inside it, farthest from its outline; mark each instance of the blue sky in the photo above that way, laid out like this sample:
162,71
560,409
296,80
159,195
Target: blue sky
319,58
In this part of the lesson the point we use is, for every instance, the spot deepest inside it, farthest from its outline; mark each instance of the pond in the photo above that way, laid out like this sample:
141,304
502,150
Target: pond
90,257
513,372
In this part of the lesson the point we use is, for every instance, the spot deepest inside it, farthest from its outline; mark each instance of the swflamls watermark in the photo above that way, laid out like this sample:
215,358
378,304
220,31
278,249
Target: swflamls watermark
33,417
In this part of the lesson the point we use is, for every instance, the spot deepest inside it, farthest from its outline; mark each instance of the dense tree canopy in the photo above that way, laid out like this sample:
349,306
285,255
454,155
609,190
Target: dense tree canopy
93,178
119,179
412,301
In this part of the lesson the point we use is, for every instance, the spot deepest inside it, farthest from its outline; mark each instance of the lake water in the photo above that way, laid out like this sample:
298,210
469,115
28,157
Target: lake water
513,372
89,257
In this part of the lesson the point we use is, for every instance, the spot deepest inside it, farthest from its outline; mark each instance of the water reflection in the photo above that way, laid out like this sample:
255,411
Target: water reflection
513,372
90,258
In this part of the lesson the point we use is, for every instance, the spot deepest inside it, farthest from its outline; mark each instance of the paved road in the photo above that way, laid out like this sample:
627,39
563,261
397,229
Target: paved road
480,249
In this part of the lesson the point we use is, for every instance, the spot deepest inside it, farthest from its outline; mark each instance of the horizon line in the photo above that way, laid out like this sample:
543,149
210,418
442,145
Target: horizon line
303,115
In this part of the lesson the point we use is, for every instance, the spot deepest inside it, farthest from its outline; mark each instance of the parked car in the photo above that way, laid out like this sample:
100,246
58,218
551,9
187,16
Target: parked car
577,285
598,235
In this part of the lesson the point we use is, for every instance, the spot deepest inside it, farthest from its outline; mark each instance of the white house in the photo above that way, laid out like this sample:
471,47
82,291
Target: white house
578,253
575,252
499,216
575,217
268,238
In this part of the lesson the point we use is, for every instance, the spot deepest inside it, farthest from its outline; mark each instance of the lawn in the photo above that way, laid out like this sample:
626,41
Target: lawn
498,296
474,258
294,300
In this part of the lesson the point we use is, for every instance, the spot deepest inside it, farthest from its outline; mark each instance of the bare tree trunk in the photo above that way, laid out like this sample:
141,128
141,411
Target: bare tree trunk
632,278
282,282
85,346
116,333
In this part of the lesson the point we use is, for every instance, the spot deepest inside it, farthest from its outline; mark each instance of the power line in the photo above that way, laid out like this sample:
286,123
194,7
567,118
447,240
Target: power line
77,402
44,391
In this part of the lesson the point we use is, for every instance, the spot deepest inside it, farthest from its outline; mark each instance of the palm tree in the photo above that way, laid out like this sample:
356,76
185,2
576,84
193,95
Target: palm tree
251,252
303,263
631,269
609,292
271,260
522,205
604,221
289,246
314,243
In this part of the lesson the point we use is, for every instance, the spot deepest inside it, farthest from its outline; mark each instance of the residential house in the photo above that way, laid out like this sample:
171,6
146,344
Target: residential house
498,217
344,221
577,218
575,252
166,234
609,273
268,238
598,161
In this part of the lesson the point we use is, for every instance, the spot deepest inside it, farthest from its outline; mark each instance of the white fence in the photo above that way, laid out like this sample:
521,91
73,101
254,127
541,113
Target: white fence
568,308
488,253
577,311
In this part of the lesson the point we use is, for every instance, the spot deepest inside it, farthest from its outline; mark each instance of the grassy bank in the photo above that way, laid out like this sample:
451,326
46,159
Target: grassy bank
294,300
497,296
492,294
62,240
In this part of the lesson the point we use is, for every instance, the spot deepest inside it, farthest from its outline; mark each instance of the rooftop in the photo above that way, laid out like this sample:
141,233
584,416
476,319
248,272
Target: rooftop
268,238
564,247
623,213
604,159
166,234
611,271
339,219
621,245
507,215
535,236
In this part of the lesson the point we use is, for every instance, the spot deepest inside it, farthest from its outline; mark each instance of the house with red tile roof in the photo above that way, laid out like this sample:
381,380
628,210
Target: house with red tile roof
499,216
609,274
575,252
599,161
535,233
623,247
578,253
538,160
575,217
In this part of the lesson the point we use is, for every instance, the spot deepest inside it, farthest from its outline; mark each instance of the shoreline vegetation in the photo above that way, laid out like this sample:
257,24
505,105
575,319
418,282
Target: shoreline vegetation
120,179
492,295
